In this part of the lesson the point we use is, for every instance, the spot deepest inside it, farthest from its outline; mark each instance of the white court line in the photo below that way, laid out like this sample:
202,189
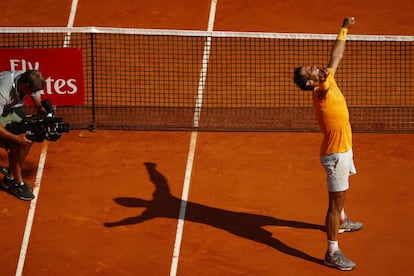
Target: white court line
40,168
32,209
71,20
193,142
183,207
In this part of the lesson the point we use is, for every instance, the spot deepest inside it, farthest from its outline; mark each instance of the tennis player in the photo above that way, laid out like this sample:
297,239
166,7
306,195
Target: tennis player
336,149
14,86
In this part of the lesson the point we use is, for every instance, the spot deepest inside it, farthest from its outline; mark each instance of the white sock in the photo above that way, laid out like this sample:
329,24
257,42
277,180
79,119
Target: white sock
332,247
343,215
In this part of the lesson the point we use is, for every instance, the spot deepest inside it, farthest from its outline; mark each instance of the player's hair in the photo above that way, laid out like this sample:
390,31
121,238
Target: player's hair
300,80
34,79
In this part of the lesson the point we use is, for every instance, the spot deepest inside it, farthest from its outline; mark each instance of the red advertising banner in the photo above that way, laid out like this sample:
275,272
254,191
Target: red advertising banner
61,68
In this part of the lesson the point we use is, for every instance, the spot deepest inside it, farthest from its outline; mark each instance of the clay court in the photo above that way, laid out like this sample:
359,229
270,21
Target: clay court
108,201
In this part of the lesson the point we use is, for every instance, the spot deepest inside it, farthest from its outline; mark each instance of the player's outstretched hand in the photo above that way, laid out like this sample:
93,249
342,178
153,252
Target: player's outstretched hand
348,22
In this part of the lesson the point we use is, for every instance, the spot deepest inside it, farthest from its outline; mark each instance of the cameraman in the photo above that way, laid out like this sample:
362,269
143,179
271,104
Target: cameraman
14,86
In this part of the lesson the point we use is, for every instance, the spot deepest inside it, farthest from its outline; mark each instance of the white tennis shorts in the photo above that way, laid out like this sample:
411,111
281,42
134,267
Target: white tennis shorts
338,167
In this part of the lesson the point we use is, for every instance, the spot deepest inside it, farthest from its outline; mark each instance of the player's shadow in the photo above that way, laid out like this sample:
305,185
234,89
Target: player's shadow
249,226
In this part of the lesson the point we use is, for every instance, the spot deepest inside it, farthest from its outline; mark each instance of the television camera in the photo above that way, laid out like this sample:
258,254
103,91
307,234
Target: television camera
40,127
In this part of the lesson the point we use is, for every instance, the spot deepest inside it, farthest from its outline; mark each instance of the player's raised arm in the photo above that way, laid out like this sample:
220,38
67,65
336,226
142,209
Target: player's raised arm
339,46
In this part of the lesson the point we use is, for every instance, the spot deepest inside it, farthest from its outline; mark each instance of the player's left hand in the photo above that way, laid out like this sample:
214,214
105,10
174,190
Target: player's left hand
348,22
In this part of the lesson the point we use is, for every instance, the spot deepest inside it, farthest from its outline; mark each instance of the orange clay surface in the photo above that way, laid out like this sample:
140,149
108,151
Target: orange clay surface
108,201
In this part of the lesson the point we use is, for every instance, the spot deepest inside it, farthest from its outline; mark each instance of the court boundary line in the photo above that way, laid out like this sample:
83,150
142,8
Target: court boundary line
71,20
32,209
193,143
40,168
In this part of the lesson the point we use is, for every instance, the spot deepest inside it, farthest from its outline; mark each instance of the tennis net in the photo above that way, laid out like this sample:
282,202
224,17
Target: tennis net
226,81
